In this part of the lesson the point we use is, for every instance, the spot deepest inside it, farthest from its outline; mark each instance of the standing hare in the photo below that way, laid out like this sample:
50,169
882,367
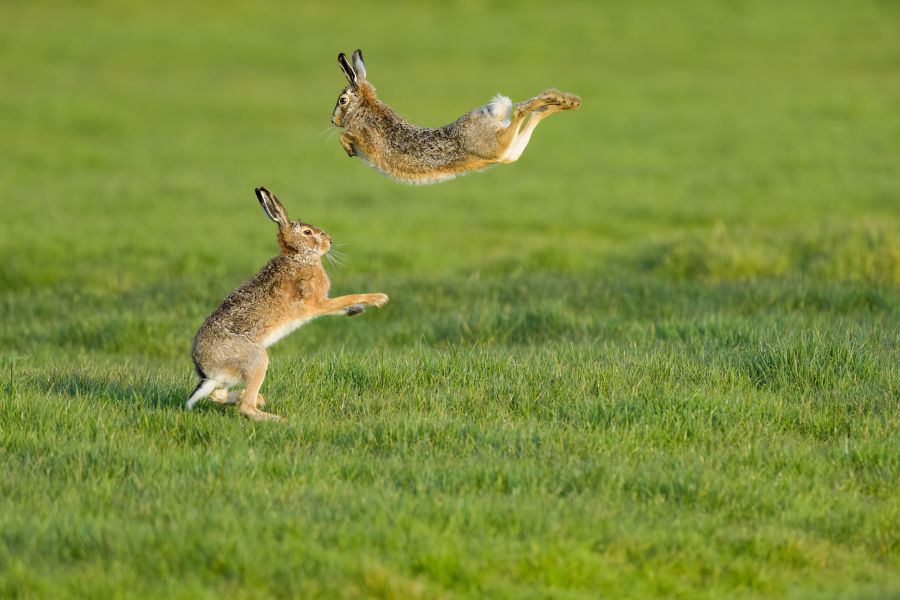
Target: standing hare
290,291
498,132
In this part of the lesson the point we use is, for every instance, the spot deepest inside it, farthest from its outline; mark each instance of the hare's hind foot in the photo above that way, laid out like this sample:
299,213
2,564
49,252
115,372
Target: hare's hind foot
223,396
255,414
553,100
559,100
548,101
528,114
571,102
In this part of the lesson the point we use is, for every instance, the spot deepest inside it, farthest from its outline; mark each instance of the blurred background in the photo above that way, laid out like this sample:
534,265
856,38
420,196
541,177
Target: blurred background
721,140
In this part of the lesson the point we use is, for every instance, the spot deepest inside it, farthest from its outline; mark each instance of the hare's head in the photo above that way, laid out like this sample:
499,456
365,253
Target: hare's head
356,94
294,237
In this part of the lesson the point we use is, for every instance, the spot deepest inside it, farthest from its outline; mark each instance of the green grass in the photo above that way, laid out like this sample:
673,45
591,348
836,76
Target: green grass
658,357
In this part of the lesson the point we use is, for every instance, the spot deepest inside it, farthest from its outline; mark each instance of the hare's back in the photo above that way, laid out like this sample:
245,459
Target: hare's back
249,310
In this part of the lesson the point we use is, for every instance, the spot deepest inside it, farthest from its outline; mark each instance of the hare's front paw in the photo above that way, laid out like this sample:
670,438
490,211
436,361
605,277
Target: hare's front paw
379,300
347,143
355,309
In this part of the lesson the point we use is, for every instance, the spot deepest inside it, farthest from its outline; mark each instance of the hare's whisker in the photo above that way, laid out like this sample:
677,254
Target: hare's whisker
329,132
336,258
336,262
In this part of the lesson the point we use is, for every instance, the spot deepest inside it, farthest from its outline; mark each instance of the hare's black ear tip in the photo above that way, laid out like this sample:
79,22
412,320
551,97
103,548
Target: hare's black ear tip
341,57
262,192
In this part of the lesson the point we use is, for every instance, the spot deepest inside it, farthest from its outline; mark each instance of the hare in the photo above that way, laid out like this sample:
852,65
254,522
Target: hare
290,291
498,132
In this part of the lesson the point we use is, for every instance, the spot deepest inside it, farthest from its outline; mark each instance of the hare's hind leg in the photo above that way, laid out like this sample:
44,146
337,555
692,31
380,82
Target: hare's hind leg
223,396
527,115
216,391
253,374
520,140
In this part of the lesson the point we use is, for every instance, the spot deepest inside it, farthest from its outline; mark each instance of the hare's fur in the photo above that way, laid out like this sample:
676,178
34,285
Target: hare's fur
291,290
497,132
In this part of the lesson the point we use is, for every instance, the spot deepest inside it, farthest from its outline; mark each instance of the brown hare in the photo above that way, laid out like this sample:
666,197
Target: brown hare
498,132
290,291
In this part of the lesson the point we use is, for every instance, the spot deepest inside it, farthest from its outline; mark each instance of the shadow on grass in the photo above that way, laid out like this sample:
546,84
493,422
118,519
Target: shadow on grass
123,392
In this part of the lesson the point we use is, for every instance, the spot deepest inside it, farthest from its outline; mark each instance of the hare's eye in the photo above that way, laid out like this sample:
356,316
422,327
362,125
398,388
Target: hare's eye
344,100
307,232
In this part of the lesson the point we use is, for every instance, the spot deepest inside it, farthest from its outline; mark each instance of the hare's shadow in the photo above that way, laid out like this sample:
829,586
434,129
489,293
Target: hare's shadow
147,392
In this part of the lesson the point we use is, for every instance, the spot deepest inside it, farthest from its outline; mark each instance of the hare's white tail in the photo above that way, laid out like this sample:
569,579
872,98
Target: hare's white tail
203,389
500,107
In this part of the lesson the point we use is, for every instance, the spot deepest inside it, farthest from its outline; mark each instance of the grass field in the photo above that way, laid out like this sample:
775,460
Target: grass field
658,357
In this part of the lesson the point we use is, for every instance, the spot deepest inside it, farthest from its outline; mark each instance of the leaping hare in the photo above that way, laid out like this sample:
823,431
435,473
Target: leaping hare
290,291
498,132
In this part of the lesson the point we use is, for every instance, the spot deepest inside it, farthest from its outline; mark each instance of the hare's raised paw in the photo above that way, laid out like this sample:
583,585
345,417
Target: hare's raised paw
379,300
355,309
347,144
258,415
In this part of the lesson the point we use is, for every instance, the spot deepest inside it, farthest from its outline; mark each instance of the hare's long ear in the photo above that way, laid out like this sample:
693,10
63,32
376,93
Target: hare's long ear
348,70
358,66
272,207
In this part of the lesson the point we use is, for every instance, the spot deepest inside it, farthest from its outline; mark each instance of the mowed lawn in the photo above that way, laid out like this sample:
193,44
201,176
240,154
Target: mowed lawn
658,357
